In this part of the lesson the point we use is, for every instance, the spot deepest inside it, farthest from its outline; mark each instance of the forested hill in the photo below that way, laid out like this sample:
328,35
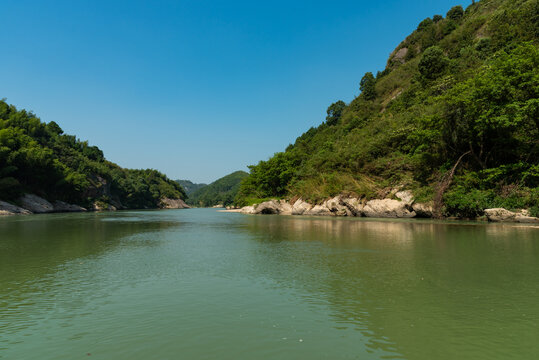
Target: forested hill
220,192
38,158
461,86
189,186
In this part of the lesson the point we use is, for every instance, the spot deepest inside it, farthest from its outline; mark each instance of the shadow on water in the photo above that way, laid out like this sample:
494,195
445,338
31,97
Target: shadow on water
422,289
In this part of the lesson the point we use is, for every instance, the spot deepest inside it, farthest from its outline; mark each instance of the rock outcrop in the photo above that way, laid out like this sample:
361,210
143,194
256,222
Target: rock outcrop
167,203
300,207
404,207
423,210
60,206
388,208
35,204
10,209
503,215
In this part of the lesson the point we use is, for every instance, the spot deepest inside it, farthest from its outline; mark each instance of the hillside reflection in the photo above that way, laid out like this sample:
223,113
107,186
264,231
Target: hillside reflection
397,282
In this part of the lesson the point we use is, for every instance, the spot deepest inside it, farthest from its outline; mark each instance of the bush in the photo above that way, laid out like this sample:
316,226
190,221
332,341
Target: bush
465,203
432,63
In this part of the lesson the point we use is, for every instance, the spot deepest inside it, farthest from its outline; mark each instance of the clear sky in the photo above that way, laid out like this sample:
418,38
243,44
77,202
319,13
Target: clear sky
195,89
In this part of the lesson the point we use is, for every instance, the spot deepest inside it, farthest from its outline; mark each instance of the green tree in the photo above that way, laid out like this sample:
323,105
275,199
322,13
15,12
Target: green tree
367,86
455,13
432,63
334,112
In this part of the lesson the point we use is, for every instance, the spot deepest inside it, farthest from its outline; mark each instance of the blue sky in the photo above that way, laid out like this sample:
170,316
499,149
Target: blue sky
195,89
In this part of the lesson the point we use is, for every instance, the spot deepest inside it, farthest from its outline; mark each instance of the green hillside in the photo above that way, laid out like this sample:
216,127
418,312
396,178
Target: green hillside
222,191
460,93
37,157
189,186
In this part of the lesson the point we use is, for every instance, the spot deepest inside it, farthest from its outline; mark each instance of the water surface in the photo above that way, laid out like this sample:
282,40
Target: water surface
200,284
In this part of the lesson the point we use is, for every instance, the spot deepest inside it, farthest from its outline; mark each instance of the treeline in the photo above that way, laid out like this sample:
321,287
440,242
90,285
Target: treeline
461,86
37,157
220,192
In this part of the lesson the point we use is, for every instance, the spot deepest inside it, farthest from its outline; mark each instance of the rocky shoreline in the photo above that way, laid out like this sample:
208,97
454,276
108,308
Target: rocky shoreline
33,204
401,205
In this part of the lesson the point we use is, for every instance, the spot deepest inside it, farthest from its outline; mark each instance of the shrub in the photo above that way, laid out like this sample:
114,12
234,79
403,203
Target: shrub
432,63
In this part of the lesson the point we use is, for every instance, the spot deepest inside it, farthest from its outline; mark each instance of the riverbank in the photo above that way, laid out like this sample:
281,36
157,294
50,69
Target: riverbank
401,205
33,204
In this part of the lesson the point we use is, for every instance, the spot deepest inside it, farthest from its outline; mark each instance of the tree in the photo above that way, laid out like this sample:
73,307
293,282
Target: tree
335,112
367,86
437,18
424,24
432,63
456,13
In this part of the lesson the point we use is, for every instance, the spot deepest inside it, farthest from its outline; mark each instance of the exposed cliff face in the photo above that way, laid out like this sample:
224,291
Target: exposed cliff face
404,206
167,203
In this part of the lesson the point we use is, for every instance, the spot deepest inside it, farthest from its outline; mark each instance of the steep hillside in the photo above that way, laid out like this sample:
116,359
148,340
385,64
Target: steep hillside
38,158
189,186
220,192
454,117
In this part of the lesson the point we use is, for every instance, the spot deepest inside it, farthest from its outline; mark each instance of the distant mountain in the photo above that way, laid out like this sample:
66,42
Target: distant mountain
222,191
189,186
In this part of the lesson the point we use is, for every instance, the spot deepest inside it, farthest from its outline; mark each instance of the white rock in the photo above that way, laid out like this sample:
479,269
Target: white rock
405,196
300,207
319,210
248,210
423,209
354,205
504,215
388,208
337,207
286,208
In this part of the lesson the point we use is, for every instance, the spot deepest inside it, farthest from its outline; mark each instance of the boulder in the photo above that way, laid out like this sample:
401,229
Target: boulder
319,210
10,209
286,208
35,204
354,205
388,208
274,207
300,207
423,210
337,207
100,206
167,203
405,196
248,210
60,206
504,215
500,214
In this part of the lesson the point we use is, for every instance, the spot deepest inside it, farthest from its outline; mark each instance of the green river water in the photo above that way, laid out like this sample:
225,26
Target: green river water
202,284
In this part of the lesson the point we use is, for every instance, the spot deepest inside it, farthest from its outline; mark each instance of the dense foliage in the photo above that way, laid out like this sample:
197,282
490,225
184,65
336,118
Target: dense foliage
39,158
220,192
464,85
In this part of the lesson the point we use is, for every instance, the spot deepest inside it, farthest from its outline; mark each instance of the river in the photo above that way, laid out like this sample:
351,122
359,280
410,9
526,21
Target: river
202,284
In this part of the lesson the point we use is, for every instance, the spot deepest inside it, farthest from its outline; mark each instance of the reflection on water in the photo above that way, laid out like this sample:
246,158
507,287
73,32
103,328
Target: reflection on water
203,284
419,288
